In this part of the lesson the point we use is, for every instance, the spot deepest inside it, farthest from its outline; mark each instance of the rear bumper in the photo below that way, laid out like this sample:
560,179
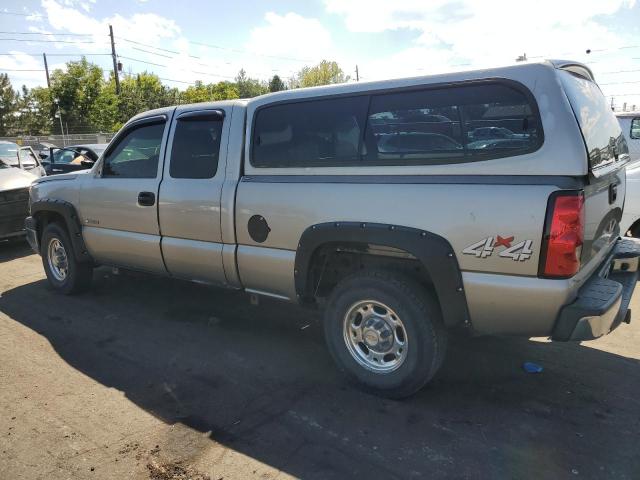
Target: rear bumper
603,301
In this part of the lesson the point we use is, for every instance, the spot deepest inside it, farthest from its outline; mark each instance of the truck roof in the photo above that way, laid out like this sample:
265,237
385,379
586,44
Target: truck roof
355,87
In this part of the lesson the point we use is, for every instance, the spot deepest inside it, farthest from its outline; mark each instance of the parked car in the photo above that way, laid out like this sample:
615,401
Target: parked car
72,158
13,155
43,148
14,200
630,124
289,195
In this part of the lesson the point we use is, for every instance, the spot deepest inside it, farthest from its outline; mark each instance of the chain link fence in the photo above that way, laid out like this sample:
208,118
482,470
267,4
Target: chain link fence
61,140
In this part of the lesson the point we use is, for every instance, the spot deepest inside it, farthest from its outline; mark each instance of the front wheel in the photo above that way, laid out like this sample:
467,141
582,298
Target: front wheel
64,272
385,331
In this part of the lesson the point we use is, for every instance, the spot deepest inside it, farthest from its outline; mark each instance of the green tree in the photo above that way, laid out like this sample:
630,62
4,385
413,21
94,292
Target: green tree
249,87
33,115
209,93
276,84
105,111
139,93
8,100
77,89
325,73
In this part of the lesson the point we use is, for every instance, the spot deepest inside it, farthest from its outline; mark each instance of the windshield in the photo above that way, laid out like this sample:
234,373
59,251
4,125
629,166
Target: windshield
9,150
64,156
27,156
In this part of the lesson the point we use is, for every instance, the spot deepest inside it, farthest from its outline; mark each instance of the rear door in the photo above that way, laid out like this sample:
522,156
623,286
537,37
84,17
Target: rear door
190,192
607,154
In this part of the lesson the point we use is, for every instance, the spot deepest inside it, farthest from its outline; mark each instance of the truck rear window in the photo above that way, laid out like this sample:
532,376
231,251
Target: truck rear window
454,124
601,131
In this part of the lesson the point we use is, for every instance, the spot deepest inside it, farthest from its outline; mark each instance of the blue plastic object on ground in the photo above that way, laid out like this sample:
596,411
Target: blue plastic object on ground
531,367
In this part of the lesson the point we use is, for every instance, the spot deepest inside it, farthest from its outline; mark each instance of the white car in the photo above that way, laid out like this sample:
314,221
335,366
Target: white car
630,123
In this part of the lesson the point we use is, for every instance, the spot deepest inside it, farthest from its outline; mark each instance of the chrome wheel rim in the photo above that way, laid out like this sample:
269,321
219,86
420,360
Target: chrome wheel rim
57,258
375,336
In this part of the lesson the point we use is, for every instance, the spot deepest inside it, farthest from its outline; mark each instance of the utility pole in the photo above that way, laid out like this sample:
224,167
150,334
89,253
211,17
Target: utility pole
115,60
357,74
46,69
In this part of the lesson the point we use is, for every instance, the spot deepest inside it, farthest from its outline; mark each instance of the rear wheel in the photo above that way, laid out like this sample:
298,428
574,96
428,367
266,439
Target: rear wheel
384,330
64,272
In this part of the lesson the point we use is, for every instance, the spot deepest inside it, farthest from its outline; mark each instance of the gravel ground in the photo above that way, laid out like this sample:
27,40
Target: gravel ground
152,378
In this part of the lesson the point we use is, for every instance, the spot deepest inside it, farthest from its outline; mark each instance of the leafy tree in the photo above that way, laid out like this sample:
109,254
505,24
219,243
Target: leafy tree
141,92
210,92
325,73
276,84
105,112
8,99
77,89
249,87
33,115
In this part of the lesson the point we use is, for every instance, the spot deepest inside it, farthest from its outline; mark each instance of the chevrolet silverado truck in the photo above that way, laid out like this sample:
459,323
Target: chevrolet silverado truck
485,202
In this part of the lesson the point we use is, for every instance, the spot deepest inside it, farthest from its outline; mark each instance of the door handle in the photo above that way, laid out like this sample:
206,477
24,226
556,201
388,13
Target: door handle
146,199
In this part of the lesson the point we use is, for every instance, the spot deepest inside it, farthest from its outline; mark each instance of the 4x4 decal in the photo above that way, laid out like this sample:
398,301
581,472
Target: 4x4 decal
521,251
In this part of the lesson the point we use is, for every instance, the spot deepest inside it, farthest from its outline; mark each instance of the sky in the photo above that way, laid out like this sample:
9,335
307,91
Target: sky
187,40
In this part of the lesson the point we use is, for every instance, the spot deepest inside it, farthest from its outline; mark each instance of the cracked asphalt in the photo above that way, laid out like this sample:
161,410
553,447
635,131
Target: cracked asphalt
153,378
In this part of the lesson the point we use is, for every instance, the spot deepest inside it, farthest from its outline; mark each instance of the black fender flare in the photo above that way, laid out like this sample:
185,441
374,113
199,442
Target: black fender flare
433,251
67,211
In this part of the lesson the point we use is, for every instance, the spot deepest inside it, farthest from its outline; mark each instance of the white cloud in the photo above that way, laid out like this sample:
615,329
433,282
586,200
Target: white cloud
488,31
146,27
291,35
27,68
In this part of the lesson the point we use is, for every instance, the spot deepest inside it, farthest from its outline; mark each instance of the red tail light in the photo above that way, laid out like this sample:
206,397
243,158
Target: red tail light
564,233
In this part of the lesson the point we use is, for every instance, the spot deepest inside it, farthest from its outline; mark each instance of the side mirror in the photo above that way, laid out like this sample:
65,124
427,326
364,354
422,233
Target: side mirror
43,155
87,163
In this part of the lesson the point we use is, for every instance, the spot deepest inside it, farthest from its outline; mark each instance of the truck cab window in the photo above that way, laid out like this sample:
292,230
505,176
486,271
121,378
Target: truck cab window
137,154
196,148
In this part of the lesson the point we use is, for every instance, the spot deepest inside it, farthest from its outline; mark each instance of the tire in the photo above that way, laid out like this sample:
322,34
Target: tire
76,277
359,328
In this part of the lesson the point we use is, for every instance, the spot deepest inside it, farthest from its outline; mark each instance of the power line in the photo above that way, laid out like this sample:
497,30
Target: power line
618,83
217,47
21,70
57,54
142,61
152,53
166,66
41,40
43,33
22,14
147,45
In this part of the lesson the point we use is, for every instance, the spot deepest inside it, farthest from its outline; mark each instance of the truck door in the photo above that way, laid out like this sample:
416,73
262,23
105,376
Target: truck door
190,192
118,204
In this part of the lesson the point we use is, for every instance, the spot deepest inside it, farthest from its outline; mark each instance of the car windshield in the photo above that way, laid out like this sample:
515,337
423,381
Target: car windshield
64,155
8,150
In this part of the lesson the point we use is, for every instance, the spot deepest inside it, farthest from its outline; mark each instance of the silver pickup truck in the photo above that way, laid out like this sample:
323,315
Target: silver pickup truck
484,202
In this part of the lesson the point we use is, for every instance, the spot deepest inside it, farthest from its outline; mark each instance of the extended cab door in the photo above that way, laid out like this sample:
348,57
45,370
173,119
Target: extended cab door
118,203
189,208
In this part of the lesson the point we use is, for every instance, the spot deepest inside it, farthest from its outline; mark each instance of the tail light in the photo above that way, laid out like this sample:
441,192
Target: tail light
564,233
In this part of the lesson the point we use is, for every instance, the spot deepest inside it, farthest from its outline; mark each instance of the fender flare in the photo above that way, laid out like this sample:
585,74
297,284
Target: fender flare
433,251
67,211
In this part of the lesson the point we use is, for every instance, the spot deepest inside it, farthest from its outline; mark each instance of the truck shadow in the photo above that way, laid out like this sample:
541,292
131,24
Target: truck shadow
258,380
14,249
